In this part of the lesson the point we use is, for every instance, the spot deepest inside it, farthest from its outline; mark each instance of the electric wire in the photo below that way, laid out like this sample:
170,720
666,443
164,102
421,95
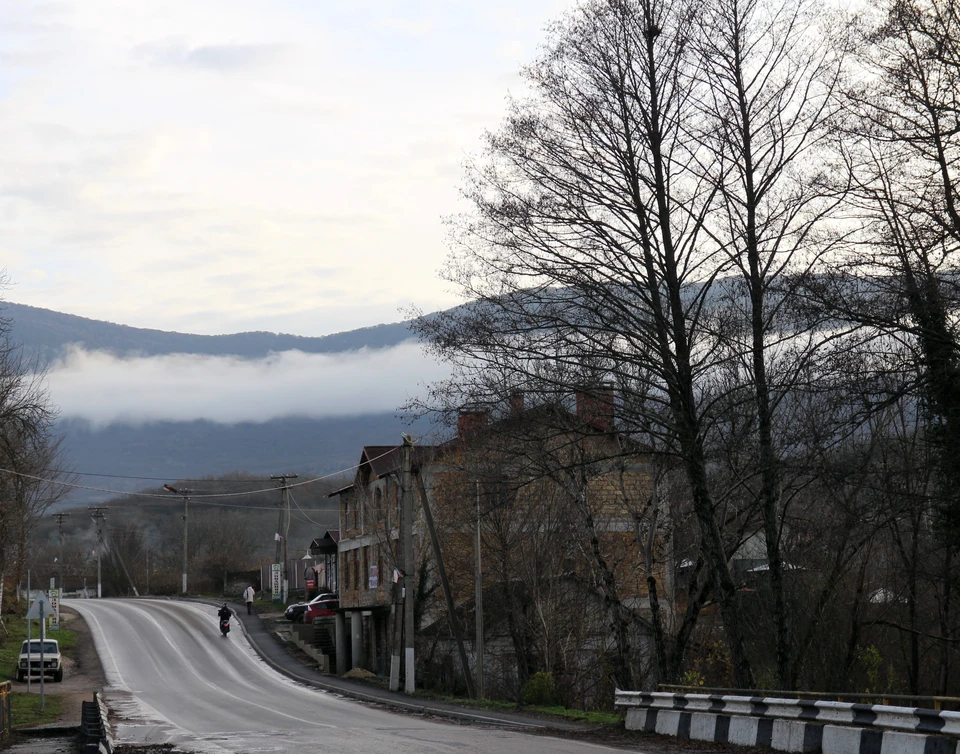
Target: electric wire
147,478
315,523
194,496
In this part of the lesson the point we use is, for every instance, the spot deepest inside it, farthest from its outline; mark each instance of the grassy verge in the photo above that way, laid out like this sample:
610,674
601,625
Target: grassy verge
26,707
561,713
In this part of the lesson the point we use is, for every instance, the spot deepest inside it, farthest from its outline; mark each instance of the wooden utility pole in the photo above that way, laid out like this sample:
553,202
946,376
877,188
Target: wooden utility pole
186,498
285,502
406,455
60,517
441,569
479,604
97,515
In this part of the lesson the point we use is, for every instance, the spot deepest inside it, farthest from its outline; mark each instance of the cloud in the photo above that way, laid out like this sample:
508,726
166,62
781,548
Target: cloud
223,58
162,159
105,389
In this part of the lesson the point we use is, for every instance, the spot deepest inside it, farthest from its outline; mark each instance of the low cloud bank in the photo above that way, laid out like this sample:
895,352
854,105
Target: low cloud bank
105,389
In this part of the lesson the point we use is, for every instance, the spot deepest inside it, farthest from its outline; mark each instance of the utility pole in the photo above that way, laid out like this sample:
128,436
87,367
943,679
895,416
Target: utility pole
186,499
406,455
444,582
285,501
126,572
98,516
479,604
60,517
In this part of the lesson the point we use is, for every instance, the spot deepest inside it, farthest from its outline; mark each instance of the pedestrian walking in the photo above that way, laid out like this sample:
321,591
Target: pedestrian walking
248,595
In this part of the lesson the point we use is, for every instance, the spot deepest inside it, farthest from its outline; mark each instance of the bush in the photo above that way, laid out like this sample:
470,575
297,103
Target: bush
538,691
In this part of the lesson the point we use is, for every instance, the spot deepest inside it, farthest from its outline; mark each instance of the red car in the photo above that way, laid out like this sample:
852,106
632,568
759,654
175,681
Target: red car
320,609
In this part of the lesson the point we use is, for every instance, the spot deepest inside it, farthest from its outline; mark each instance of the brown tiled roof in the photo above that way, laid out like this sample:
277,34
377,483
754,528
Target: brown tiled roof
385,459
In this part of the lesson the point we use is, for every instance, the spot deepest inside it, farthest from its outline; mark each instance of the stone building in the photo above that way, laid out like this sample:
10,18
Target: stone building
560,499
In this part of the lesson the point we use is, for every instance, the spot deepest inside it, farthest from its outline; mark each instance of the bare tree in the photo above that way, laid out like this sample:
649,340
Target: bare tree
31,464
902,146
773,73
587,247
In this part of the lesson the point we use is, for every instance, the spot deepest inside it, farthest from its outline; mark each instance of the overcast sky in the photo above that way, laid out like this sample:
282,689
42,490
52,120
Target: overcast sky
215,166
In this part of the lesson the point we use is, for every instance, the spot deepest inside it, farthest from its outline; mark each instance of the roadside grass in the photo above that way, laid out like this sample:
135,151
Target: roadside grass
562,713
26,707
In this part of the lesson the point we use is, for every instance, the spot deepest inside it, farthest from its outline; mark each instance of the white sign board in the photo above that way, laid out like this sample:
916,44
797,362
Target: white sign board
276,579
55,605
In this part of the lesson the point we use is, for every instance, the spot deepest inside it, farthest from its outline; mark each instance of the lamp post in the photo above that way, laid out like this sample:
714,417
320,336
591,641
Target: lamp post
186,497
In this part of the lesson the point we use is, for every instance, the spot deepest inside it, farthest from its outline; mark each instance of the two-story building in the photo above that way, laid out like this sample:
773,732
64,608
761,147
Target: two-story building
557,495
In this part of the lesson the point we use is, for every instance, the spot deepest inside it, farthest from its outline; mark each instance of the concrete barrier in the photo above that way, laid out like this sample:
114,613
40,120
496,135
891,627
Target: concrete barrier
793,725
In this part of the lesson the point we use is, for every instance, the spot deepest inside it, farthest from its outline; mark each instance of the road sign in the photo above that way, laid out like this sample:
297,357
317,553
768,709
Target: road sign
55,605
276,578
40,608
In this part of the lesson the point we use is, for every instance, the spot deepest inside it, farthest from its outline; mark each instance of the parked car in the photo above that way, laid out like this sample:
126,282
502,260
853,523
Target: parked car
294,613
321,609
29,659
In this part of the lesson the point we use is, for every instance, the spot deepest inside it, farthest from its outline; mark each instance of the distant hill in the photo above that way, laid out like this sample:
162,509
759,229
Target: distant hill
178,450
47,333
189,450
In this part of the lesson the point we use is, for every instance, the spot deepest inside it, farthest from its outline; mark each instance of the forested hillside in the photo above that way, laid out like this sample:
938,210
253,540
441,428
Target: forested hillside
47,332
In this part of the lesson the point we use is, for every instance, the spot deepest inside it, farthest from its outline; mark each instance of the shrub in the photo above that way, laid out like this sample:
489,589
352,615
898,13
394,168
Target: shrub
538,691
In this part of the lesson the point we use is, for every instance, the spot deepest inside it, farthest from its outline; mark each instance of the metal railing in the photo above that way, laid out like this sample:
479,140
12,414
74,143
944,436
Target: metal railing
912,719
899,700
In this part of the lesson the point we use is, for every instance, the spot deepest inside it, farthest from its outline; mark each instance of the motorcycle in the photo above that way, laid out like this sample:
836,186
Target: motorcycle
224,626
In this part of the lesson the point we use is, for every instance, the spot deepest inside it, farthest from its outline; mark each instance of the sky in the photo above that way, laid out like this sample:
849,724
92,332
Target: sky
215,166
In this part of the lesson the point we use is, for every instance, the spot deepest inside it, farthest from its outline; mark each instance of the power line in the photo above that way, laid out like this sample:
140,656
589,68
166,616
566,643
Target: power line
150,478
208,495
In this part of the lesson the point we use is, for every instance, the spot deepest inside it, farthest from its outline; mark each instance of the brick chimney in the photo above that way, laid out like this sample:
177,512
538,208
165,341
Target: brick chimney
516,403
471,421
596,406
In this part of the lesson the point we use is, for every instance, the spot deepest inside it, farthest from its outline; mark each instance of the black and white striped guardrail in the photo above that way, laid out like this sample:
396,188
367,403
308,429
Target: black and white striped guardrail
796,725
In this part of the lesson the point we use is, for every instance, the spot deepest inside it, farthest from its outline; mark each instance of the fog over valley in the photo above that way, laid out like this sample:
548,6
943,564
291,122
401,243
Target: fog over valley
104,389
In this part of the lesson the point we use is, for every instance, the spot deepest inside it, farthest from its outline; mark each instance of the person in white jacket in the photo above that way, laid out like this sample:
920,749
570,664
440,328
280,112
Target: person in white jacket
248,595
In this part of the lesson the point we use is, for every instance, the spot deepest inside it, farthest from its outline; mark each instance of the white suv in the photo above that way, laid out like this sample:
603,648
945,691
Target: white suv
29,660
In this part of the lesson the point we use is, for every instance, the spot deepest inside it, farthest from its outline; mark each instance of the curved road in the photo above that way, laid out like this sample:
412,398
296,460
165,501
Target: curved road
172,678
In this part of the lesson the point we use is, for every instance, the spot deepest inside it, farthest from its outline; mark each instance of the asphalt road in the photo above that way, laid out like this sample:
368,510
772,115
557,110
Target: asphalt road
172,678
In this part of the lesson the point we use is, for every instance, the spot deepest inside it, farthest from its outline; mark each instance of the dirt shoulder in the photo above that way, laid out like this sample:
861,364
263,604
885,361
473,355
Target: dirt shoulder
82,672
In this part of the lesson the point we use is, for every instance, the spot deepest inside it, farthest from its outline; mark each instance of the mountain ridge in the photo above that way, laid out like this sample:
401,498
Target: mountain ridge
47,333
198,448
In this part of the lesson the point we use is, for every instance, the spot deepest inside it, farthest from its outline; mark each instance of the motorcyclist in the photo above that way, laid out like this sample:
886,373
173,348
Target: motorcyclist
224,612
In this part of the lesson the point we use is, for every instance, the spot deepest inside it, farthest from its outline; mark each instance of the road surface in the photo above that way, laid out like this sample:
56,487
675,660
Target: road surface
172,678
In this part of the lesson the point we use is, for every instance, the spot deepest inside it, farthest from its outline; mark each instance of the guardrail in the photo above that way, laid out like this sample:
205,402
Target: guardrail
912,719
794,725
899,700
95,736
6,709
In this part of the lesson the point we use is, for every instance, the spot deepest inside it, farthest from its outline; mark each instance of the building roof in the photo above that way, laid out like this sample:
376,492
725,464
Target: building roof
384,460
326,543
